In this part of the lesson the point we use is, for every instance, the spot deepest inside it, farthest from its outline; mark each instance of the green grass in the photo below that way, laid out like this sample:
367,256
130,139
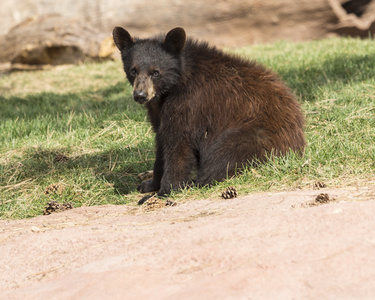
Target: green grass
86,113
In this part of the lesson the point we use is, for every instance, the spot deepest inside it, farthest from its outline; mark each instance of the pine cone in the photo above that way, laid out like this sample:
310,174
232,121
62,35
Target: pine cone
54,188
66,206
323,198
55,206
153,203
229,193
60,158
319,185
51,207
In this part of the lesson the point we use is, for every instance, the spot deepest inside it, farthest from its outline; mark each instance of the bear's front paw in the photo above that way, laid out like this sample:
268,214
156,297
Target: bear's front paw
147,187
163,192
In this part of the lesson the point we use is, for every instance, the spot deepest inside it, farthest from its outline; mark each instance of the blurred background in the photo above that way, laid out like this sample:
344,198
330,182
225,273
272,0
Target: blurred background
40,32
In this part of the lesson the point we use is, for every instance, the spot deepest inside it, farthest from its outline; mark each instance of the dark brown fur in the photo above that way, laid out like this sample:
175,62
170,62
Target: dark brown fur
220,113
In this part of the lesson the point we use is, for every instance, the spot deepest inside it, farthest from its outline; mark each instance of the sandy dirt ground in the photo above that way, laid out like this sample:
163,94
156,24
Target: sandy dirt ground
281,245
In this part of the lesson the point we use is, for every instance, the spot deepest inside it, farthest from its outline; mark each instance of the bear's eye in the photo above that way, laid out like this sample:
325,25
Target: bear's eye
133,72
156,73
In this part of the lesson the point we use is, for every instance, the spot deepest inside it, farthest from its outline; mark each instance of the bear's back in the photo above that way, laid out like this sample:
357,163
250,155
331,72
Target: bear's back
235,87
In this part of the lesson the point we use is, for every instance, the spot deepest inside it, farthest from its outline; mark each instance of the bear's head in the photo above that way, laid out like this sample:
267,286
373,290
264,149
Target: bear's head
152,66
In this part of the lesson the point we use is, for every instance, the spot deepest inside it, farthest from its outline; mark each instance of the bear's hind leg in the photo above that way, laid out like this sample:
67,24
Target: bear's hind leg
227,154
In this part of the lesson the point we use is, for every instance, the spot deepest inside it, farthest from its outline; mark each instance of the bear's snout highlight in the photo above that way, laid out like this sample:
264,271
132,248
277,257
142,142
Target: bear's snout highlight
143,90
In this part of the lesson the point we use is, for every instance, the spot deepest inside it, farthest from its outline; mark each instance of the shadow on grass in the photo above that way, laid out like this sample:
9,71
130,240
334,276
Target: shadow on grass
304,80
307,79
50,111
110,100
113,167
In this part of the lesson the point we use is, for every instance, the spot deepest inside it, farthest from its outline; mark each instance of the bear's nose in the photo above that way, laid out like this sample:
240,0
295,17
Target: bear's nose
140,96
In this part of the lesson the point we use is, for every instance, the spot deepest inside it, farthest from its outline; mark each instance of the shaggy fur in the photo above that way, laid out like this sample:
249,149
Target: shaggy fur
210,110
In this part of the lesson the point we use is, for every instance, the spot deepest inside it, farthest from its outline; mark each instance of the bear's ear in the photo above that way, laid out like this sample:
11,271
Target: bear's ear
122,38
175,40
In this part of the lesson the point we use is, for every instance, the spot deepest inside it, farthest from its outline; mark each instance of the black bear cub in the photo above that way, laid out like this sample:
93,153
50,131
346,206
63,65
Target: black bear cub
211,111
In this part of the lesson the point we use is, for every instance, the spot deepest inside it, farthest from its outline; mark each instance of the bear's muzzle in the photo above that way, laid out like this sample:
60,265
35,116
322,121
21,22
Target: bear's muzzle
143,90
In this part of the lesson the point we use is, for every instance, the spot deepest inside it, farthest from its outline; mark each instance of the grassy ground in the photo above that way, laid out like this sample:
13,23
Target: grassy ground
74,134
